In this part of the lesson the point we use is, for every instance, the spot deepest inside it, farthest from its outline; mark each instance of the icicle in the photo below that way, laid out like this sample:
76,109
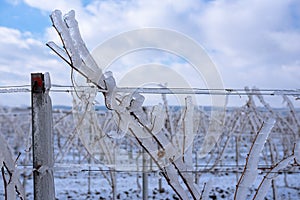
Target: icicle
110,85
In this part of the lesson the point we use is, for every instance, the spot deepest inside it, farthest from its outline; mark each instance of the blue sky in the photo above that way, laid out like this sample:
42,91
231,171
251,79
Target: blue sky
252,42
23,17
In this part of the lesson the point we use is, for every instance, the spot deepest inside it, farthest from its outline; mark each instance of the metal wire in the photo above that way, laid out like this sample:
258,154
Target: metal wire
56,88
263,170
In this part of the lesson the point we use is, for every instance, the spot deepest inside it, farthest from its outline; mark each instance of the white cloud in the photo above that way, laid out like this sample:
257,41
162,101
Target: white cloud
63,5
241,28
253,42
21,55
15,37
287,41
101,20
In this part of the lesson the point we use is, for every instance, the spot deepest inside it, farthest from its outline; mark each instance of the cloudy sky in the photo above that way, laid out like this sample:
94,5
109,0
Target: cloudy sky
251,42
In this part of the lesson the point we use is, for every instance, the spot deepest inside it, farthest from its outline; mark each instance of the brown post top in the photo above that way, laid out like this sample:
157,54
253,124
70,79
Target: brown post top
37,83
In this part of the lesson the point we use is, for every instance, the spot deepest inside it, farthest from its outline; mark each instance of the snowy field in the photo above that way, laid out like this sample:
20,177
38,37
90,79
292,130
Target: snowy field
80,176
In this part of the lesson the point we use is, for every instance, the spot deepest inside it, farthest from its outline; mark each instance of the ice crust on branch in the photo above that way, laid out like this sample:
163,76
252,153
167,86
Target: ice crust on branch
267,180
251,167
75,48
59,51
64,33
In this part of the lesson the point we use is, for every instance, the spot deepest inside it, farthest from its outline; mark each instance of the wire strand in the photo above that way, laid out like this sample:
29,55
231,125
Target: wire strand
56,88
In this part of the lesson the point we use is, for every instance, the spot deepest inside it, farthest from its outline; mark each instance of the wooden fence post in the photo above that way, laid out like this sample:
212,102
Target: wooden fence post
42,138
145,176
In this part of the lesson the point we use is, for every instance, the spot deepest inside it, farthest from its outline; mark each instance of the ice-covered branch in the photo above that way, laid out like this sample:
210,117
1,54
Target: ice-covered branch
272,112
266,182
250,171
127,109
292,111
74,51
12,184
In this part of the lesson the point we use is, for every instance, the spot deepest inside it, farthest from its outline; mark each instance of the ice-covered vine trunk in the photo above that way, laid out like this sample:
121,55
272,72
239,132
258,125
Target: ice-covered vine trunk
173,161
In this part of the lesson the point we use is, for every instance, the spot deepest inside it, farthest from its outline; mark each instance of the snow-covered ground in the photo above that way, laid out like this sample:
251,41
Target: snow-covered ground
73,183
78,177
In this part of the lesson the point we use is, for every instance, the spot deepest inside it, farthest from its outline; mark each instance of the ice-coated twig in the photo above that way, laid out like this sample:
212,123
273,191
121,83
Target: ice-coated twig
13,184
177,188
206,189
178,165
292,110
74,51
62,30
59,51
275,114
76,54
187,126
250,171
169,116
187,178
170,172
215,130
267,180
88,64
255,119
